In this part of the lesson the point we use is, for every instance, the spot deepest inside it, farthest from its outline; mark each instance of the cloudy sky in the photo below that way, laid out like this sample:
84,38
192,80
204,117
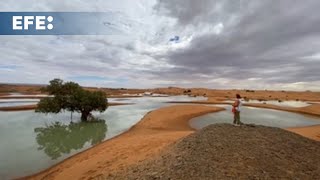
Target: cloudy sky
266,44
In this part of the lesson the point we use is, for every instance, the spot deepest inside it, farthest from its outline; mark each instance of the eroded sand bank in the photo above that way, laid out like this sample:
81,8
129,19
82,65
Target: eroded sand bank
312,132
153,133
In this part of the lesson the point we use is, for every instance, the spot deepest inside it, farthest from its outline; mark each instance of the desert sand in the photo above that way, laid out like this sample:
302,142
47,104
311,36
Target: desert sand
312,132
152,134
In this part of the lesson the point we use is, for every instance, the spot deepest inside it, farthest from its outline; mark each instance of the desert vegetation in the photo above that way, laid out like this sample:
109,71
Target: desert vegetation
72,97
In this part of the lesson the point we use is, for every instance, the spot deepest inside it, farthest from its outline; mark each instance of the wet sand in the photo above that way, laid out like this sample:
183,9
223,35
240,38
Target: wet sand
152,134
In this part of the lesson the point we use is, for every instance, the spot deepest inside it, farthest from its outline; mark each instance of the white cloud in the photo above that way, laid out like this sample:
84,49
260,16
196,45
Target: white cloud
222,44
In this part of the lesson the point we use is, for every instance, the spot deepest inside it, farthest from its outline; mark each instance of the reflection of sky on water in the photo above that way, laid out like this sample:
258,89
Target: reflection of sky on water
17,102
251,115
13,104
130,100
282,103
148,99
27,95
20,148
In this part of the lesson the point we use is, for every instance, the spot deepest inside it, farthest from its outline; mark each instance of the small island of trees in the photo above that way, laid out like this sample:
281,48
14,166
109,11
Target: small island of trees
72,97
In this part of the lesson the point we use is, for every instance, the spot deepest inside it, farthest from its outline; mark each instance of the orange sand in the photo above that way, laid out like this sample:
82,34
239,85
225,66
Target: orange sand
312,132
154,132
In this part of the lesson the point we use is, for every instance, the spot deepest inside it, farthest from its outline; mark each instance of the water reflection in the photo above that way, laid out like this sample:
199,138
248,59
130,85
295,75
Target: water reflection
58,139
251,115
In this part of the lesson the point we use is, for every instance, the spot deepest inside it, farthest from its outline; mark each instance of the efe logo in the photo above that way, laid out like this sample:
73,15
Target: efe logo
23,22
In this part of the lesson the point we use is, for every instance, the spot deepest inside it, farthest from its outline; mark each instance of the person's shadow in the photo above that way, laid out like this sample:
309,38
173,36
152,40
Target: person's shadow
58,139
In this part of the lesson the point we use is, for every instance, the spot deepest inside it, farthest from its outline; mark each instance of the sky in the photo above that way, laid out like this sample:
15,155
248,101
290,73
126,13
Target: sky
220,44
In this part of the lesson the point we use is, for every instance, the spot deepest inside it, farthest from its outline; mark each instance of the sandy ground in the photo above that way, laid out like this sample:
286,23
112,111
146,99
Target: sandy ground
153,133
312,132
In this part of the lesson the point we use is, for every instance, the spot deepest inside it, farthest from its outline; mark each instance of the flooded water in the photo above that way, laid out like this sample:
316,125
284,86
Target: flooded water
250,115
32,142
282,103
27,137
133,100
27,95
17,102
278,103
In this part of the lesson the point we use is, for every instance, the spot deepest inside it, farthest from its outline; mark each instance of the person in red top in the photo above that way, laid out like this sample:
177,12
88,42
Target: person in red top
236,108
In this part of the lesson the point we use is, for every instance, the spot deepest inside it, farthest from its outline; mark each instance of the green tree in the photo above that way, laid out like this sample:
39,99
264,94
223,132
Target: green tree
72,97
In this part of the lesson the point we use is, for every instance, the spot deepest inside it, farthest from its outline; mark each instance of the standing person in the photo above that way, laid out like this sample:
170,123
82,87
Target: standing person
236,110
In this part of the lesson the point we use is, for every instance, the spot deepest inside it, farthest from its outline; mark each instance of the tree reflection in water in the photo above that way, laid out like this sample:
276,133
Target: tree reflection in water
58,139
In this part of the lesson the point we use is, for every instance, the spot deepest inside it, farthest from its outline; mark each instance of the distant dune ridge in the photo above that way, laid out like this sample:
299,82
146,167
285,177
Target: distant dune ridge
213,94
226,152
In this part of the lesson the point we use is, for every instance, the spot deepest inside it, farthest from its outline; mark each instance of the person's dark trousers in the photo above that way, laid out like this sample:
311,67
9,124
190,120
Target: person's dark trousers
236,119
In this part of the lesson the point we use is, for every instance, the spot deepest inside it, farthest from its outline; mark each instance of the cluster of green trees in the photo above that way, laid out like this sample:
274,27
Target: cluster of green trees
72,97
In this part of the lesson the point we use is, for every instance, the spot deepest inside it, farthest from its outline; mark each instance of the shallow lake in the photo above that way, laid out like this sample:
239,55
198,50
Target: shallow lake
278,103
32,142
259,116
17,102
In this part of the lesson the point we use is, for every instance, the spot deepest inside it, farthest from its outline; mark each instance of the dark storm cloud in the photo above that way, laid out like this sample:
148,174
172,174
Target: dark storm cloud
260,39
